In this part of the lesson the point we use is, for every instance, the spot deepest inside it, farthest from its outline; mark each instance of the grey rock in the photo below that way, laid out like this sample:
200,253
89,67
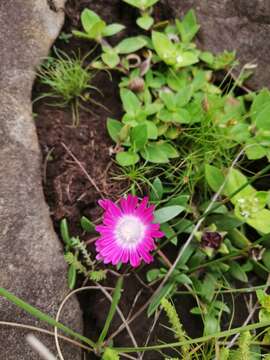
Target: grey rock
239,25
31,255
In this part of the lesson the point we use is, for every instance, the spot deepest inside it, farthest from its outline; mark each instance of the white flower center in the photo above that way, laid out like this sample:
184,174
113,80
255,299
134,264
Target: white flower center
129,231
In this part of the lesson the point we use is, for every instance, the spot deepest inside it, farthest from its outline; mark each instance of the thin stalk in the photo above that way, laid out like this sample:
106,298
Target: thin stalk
43,317
115,301
201,339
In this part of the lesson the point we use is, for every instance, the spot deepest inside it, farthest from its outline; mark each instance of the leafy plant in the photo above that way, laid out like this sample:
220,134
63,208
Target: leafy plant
77,255
68,81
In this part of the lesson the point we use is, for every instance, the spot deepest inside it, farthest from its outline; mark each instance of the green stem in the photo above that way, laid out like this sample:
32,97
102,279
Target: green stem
43,317
221,334
226,291
115,301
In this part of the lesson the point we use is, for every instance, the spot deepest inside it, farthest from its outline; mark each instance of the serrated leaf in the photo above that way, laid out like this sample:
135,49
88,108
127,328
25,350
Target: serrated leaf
167,213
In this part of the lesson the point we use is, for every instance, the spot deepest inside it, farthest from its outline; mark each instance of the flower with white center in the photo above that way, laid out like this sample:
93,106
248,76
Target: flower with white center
127,232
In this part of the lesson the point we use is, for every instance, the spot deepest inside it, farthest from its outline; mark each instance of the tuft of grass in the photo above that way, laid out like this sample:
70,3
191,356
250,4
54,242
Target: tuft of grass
69,82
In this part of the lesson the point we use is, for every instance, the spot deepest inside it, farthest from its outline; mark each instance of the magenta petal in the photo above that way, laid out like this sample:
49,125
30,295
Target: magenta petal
112,249
129,204
125,256
134,259
146,256
117,256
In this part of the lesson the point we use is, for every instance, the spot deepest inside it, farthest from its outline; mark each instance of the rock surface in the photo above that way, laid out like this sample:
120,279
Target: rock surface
239,25
31,256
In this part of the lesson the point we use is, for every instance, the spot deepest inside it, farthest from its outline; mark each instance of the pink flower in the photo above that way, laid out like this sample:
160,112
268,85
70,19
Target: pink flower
127,232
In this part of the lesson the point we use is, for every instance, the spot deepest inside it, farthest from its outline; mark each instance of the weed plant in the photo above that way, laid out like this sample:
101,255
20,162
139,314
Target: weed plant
68,81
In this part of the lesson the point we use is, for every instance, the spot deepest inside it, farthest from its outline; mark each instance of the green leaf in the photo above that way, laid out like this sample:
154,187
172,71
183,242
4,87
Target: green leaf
138,137
169,150
114,127
145,22
188,27
214,177
112,29
141,4
208,287
152,131
260,221
164,292
136,3
81,35
235,180
183,96
266,258
164,47
225,222
263,118
186,58
110,354
64,231
131,103
86,224
89,18
167,213
111,59
72,276
154,153
156,190
169,233
97,29
152,275
130,45
259,103
255,151
207,57
237,272
125,158
179,200
169,99
182,279
211,325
